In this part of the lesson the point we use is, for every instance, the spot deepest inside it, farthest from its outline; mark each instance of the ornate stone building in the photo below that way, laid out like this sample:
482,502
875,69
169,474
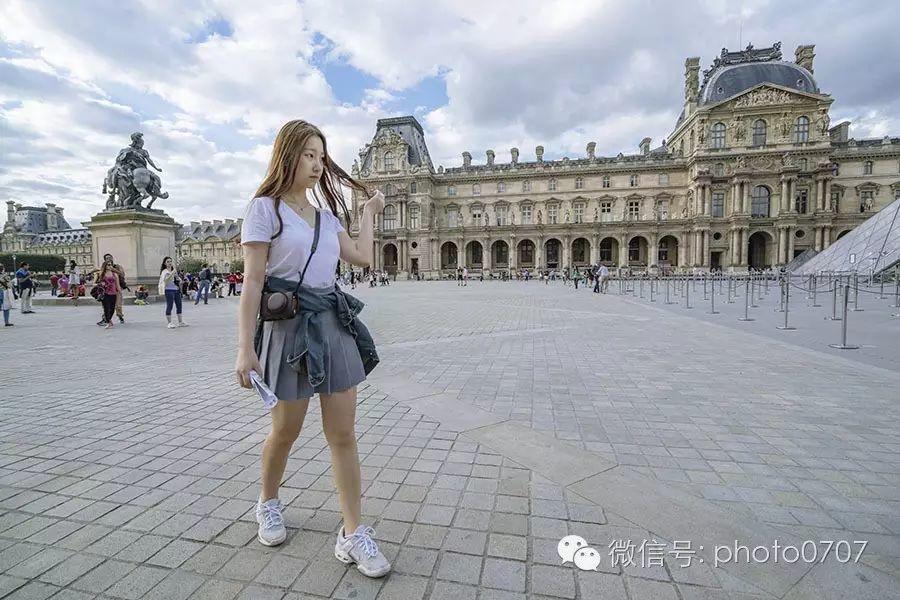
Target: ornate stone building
44,230
752,175
216,242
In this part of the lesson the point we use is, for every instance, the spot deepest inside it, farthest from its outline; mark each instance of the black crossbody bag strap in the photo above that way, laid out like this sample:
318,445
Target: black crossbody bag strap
312,250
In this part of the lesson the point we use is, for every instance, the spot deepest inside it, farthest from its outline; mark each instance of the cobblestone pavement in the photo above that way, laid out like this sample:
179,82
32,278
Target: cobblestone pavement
503,417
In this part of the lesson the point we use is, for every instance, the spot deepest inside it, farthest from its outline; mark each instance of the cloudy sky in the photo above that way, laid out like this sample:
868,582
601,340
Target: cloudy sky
209,82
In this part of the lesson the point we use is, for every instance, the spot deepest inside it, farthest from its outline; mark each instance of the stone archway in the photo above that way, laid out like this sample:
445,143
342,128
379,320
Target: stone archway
760,250
389,258
608,251
474,255
553,254
525,255
638,251
449,256
581,252
500,253
842,234
667,251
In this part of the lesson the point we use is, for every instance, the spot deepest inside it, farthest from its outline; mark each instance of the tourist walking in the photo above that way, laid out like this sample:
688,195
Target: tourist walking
6,296
322,348
74,281
54,284
120,273
232,281
465,276
604,279
108,280
170,287
203,285
25,281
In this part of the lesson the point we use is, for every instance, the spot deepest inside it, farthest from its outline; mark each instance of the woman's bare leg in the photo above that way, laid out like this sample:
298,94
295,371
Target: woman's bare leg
339,421
287,420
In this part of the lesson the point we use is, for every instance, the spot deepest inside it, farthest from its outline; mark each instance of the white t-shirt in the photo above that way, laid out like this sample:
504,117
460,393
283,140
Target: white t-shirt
289,251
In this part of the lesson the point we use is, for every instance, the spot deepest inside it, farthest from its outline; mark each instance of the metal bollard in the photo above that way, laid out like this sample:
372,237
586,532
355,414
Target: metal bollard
834,296
856,307
668,287
652,299
731,289
767,283
704,286
815,291
753,287
746,316
642,287
687,297
787,303
809,284
781,284
843,345
881,286
712,300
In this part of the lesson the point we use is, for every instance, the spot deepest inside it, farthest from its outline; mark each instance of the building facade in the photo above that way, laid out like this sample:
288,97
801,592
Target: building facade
44,230
752,175
217,243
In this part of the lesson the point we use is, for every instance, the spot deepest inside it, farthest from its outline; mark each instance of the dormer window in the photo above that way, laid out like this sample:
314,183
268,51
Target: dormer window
389,161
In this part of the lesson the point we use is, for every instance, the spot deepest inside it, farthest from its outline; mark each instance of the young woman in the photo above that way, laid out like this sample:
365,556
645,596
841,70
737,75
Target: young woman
74,281
277,236
170,286
108,278
6,297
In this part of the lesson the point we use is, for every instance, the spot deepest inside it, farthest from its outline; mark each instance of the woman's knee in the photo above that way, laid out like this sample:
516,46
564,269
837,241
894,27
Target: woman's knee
284,434
341,437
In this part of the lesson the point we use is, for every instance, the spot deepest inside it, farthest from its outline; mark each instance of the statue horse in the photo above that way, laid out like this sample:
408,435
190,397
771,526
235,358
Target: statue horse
127,192
147,184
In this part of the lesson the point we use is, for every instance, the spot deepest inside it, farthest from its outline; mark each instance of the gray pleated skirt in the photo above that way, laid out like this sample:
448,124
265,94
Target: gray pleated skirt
343,365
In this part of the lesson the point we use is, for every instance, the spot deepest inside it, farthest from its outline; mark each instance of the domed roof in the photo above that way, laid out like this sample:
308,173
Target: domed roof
729,81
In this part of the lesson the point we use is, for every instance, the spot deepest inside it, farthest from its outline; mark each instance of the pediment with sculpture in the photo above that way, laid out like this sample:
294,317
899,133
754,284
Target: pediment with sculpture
770,95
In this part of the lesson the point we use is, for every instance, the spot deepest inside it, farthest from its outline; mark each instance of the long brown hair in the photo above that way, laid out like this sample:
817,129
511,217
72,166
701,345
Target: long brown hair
289,144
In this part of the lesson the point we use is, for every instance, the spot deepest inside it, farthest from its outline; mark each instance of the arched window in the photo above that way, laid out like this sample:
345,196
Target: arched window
759,133
501,187
390,217
717,136
388,161
551,185
579,183
867,167
759,202
413,188
801,130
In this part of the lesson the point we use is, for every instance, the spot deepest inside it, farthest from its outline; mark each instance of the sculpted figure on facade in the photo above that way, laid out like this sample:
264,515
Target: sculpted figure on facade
130,181
738,129
823,121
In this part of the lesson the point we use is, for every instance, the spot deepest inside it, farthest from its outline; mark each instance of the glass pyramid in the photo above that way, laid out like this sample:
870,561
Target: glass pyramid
873,247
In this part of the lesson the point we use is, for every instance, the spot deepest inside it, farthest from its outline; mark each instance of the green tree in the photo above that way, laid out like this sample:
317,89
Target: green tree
39,263
190,265
237,266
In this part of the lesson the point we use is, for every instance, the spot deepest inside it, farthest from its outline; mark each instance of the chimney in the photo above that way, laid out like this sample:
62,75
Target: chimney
514,154
539,153
591,149
490,158
645,145
840,132
804,55
467,160
10,211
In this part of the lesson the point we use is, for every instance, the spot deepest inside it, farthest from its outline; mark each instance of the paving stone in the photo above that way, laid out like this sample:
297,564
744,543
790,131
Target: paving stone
137,583
174,554
507,546
416,561
461,568
245,565
504,574
281,571
558,582
465,541
71,569
217,589
209,559
258,592
178,585
356,586
321,577
104,576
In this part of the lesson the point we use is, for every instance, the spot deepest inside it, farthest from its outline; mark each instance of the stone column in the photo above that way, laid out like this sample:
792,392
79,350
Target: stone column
826,237
623,250
785,191
732,258
745,233
790,255
817,244
653,259
566,252
705,262
707,199
746,209
486,259
735,198
595,249
790,199
828,194
513,254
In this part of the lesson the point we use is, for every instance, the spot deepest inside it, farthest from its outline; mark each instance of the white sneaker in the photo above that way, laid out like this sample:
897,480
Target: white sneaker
271,522
171,325
182,324
361,549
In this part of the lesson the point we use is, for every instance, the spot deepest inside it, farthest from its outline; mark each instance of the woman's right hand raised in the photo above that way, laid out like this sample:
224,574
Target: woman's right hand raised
245,362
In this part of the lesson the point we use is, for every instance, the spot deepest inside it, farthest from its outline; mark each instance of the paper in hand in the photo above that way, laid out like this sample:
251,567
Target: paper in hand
268,396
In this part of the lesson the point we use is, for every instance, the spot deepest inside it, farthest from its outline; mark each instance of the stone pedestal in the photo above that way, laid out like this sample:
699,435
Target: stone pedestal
137,239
